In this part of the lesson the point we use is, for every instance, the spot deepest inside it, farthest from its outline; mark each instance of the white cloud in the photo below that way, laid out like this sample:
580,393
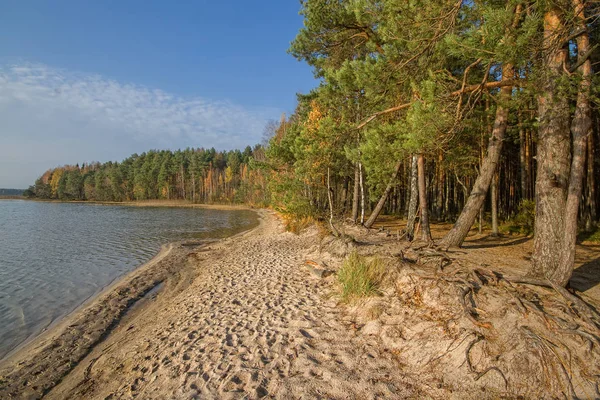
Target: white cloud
52,117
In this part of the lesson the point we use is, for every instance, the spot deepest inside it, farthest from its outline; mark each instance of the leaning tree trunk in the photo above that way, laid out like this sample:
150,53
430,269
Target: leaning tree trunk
425,231
356,194
553,155
580,127
384,196
414,197
460,230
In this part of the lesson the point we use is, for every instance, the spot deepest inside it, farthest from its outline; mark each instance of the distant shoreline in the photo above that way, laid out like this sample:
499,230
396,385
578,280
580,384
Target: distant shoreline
143,203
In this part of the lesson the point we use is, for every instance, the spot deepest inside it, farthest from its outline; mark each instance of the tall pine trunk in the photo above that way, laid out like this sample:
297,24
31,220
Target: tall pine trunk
355,194
559,184
494,200
344,196
384,196
424,208
553,156
591,217
362,193
414,198
522,160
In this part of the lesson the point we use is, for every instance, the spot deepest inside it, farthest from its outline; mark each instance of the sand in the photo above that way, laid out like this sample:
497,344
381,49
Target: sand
244,317
240,317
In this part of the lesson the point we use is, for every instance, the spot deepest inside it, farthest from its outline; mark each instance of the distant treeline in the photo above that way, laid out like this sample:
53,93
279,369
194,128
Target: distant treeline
11,192
198,175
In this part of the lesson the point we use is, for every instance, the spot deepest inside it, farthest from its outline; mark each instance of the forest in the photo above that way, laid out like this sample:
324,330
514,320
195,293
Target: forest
196,175
457,111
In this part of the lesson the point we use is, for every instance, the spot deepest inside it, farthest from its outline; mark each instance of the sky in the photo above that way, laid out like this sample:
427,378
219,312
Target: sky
84,81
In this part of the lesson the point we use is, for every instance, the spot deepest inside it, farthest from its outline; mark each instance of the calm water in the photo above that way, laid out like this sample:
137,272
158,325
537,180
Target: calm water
53,256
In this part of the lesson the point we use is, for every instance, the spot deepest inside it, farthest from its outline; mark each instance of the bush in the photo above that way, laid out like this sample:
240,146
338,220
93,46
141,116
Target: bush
360,277
591,236
524,221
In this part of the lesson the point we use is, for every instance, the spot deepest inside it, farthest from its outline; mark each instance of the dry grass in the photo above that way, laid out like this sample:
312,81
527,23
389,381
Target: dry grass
360,277
296,225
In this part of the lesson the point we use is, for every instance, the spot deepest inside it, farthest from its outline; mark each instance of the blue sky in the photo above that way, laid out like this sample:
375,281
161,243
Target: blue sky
88,81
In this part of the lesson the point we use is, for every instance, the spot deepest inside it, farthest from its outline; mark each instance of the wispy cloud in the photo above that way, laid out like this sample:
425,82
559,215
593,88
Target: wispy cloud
53,116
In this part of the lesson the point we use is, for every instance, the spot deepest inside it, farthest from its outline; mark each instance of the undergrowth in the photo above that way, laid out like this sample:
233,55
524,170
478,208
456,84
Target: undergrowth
360,277
296,224
592,236
524,221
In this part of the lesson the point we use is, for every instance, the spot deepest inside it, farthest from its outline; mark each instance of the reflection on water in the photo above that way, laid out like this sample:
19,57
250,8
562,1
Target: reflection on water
53,256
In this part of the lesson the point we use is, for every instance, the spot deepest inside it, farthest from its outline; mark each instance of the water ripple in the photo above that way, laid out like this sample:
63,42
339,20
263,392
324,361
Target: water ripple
55,255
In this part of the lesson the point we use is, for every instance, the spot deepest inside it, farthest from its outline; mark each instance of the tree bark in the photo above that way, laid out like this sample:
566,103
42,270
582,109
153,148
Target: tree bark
344,196
384,196
494,197
439,188
523,168
424,221
580,127
362,194
414,198
591,185
330,201
553,155
460,230
356,194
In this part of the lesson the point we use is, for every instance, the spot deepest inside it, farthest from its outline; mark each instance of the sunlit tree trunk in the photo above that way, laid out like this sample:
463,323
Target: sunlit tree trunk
424,208
414,198
384,196
580,127
460,230
356,194
553,155
362,193
494,200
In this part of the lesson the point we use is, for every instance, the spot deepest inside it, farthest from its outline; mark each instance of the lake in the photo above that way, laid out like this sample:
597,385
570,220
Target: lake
54,256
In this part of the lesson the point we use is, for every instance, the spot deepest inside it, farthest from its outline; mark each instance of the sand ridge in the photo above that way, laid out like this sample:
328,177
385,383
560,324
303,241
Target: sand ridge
253,323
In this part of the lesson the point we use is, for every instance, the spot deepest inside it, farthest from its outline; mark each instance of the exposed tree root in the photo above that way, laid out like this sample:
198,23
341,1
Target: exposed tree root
572,317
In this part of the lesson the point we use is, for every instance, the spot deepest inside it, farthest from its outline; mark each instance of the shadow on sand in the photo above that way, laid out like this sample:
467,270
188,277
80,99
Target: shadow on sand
489,242
587,275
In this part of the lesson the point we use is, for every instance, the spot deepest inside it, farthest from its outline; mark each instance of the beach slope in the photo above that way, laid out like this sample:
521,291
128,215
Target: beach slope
244,319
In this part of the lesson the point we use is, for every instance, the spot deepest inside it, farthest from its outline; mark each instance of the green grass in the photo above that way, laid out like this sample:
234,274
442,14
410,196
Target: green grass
593,236
360,277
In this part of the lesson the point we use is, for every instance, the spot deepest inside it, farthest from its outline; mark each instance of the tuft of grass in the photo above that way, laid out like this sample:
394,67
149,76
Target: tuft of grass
296,224
360,277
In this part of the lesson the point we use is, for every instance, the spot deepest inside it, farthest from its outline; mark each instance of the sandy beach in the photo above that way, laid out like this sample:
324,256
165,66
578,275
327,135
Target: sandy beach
243,317
237,317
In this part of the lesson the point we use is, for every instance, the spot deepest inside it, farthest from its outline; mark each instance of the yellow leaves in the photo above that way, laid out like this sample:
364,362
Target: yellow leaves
228,174
314,117
56,175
